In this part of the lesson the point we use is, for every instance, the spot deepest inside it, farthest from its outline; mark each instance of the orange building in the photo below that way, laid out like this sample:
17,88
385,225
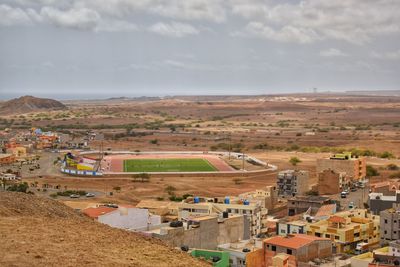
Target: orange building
7,159
291,249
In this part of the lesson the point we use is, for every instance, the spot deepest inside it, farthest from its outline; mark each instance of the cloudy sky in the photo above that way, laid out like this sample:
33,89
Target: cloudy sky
164,47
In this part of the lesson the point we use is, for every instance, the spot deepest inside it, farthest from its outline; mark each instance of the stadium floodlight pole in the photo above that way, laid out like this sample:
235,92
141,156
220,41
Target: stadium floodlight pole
243,161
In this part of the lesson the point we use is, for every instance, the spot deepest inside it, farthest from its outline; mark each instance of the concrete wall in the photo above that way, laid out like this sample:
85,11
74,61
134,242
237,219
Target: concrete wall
208,235
231,230
255,258
328,182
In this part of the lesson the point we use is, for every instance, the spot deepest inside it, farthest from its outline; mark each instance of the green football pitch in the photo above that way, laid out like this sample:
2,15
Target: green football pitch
168,165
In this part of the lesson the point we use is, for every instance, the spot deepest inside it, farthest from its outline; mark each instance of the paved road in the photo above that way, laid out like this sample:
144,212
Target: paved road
358,198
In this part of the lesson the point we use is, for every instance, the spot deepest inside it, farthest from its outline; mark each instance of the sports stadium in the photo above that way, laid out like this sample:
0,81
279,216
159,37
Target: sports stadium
126,162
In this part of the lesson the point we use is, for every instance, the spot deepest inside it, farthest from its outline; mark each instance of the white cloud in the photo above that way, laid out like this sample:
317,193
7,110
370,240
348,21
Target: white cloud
392,55
82,19
174,29
285,34
305,21
332,52
354,21
116,26
210,10
13,16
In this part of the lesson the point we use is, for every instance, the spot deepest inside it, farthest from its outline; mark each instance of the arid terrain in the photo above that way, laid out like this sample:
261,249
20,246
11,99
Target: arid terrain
272,128
51,234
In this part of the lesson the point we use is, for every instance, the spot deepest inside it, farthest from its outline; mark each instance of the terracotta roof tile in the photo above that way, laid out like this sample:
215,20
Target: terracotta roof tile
293,241
96,212
337,219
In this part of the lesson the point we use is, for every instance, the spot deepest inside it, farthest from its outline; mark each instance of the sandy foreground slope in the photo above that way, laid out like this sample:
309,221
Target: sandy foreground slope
36,231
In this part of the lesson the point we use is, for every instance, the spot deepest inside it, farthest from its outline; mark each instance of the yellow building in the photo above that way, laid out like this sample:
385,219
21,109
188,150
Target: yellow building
18,151
348,228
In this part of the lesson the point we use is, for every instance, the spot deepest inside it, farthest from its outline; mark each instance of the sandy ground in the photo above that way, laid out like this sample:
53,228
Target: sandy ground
40,232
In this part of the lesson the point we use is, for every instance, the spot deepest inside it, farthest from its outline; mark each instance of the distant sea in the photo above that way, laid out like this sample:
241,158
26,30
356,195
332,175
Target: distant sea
8,96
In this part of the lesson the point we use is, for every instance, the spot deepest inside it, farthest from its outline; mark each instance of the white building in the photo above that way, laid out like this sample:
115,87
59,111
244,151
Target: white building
129,218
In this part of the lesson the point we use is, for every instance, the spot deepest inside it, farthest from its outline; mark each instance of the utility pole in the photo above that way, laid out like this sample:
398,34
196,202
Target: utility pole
243,161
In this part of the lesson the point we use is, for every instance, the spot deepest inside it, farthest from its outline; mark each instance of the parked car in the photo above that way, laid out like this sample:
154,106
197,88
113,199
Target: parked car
74,196
89,195
343,194
351,205
353,189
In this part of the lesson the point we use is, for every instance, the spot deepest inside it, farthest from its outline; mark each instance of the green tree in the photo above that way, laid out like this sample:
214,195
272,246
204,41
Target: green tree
170,190
371,171
21,187
294,161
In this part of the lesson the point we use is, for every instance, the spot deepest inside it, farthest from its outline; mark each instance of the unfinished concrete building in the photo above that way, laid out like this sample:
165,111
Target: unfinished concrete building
331,182
292,182
203,232
390,224
255,213
353,167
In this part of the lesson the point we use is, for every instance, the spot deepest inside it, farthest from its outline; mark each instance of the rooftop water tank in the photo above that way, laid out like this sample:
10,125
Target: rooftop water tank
196,200
227,200
246,202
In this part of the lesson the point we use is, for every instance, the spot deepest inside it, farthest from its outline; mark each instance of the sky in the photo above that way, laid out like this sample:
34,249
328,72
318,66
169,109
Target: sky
193,47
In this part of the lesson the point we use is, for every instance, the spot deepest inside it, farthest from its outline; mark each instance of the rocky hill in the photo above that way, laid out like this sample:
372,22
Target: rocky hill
36,231
27,104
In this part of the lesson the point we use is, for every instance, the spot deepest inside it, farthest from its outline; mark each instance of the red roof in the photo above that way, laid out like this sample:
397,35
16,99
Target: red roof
326,210
96,212
295,241
337,219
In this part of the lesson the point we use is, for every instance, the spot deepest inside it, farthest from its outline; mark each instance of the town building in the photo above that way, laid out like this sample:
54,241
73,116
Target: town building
378,202
267,197
123,217
242,251
253,210
354,167
298,224
129,218
387,188
286,227
292,183
7,159
18,151
168,210
348,228
203,232
330,182
388,256
300,204
390,224
298,247
218,258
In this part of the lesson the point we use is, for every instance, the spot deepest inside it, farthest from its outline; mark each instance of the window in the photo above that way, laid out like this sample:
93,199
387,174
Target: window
385,221
317,234
357,235
289,251
385,232
337,237
273,248
327,235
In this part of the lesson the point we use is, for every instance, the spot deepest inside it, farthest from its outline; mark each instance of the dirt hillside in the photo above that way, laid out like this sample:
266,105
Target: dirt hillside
35,231
27,104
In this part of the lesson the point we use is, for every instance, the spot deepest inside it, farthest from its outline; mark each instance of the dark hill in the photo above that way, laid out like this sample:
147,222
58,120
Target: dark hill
26,104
